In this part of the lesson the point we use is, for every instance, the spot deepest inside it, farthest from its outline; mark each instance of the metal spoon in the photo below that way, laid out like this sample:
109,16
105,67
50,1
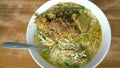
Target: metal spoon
16,45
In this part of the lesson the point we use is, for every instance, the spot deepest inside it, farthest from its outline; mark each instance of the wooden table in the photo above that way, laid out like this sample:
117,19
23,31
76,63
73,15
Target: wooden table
15,15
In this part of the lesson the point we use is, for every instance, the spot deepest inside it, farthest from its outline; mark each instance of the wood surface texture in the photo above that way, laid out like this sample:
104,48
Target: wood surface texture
14,18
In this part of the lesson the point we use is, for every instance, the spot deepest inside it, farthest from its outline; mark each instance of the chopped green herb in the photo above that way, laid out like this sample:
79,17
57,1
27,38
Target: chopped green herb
77,66
66,64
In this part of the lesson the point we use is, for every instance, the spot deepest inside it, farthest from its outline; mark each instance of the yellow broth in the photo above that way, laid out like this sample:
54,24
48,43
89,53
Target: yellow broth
71,31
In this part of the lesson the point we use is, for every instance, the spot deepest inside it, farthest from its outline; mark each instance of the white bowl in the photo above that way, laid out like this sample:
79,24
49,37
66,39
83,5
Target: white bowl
106,33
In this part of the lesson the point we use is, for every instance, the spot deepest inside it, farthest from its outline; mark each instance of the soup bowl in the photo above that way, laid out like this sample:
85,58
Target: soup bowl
105,27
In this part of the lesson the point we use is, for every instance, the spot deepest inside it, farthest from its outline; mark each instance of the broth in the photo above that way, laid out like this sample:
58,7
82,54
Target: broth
71,31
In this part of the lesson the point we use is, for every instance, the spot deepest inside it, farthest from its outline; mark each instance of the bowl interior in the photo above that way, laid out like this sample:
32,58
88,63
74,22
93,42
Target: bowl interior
106,33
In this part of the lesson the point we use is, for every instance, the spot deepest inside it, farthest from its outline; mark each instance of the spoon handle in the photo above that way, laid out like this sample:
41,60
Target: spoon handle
16,45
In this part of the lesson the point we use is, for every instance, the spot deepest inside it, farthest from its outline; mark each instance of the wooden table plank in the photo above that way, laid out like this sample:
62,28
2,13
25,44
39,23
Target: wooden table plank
15,15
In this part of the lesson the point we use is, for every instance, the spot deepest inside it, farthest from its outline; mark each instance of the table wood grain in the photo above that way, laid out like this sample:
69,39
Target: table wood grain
14,18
